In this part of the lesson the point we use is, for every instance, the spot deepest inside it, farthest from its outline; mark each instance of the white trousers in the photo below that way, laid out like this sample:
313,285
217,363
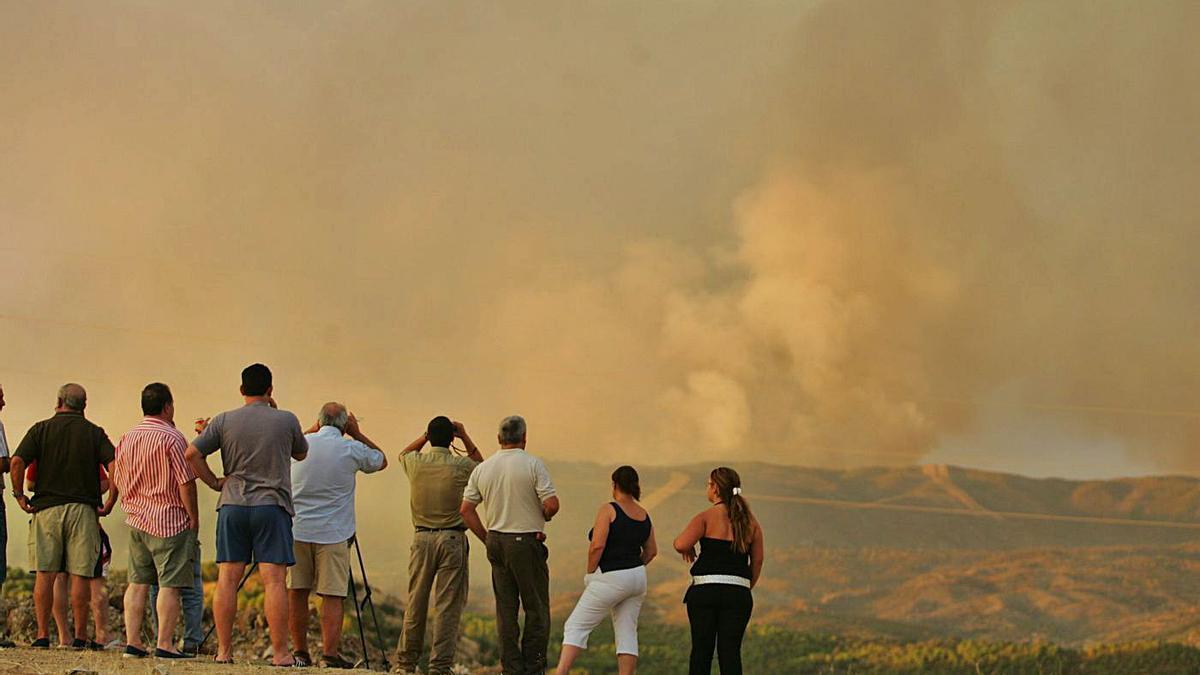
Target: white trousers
620,593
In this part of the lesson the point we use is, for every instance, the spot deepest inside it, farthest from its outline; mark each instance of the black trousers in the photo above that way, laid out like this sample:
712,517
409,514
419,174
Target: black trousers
718,614
521,581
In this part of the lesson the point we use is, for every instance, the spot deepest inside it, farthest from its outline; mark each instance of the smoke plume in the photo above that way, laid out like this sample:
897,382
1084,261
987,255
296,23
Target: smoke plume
814,233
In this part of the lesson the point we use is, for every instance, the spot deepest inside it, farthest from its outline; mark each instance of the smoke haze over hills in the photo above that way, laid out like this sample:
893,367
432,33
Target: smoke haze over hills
817,233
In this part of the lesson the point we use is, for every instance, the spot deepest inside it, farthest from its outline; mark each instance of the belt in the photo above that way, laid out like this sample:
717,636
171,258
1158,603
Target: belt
730,579
457,528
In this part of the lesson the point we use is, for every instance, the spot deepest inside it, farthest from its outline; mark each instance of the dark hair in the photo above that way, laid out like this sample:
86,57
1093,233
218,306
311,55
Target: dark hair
256,380
440,431
626,480
739,509
155,397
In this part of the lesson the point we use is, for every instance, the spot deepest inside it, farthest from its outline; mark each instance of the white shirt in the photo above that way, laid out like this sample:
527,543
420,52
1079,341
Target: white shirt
512,484
323,486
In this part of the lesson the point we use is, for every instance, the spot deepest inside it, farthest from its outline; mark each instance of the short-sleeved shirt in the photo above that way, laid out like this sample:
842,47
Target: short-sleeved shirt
323,486
69,450
436,478
511,484
256,443
149,470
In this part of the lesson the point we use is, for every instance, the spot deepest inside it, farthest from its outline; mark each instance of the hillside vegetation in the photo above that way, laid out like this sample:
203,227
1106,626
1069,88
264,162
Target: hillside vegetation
664,647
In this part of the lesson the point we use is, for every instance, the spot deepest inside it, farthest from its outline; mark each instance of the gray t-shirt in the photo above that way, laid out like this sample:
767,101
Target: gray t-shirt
256,444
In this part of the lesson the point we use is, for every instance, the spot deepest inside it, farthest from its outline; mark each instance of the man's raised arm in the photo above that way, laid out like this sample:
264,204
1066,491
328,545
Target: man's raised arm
299,442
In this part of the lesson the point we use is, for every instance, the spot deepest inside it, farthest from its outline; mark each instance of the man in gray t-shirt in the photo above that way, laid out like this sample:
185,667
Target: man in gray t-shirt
254,513
257,444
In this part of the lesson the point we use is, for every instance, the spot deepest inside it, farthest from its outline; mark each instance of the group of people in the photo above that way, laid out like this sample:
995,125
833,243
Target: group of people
287,504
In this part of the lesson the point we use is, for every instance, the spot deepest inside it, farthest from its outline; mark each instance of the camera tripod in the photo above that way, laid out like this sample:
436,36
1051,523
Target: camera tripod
360,606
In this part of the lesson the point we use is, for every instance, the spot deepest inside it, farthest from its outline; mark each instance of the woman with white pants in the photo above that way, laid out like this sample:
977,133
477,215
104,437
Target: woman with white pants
622,545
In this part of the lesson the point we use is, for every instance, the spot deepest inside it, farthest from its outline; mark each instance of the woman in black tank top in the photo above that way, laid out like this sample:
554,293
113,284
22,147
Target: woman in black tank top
622,543
718,600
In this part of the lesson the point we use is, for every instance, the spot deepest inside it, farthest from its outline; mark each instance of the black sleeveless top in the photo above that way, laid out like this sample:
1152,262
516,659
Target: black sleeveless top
623,549
717,556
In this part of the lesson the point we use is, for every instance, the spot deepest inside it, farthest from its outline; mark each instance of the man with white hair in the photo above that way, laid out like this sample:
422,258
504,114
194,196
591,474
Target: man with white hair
515,490
65,529
323,494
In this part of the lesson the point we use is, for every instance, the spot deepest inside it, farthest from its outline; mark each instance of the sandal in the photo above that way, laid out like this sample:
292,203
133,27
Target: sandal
303,659
335,661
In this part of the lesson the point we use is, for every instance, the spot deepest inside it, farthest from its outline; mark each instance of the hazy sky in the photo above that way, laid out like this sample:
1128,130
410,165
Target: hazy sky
821,233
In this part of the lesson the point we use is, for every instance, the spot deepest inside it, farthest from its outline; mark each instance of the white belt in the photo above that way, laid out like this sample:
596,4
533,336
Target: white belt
730,579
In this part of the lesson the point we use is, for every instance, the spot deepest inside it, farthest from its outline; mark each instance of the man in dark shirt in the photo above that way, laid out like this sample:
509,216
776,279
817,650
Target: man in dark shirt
65,529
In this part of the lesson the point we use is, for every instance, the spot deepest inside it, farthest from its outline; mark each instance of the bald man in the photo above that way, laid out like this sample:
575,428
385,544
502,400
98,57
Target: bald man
65,529
323,492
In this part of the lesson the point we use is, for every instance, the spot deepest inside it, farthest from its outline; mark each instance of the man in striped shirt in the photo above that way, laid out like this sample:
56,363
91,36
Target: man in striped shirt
158,494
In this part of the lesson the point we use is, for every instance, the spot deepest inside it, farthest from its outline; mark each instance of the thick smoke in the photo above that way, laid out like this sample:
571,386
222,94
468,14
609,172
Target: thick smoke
830,233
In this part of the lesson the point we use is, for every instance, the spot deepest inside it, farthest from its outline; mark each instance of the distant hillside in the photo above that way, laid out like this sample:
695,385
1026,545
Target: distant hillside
920,551
906,553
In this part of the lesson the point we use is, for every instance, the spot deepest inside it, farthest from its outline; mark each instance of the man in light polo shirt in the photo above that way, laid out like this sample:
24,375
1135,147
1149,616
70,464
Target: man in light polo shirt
254,513
158,494
515,490
440,553
323,493
65,530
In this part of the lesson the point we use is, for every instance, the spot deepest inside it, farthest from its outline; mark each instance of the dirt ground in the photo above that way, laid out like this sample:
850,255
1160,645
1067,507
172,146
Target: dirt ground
27,661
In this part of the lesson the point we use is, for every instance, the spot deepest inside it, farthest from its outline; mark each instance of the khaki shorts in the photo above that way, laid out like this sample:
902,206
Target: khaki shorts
167,562
328,565
65,538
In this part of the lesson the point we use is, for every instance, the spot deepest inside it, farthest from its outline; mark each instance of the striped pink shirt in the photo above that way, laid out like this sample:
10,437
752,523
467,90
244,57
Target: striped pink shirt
149,470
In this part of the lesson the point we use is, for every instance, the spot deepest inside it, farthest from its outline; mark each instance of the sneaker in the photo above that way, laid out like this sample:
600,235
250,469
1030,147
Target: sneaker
94,646
165,654
132,652
335,661
5,643
41,643
303,659
79,645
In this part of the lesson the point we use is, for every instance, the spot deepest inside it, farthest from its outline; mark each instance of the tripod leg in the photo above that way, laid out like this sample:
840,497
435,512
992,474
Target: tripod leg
367,598
362,635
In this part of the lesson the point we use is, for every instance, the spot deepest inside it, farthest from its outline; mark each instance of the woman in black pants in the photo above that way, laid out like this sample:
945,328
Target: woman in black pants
728,566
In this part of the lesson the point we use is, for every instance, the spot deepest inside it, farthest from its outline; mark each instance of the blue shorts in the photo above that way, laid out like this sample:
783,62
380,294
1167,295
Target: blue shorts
263,533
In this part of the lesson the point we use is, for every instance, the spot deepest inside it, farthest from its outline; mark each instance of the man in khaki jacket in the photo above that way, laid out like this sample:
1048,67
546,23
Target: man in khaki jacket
439,556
